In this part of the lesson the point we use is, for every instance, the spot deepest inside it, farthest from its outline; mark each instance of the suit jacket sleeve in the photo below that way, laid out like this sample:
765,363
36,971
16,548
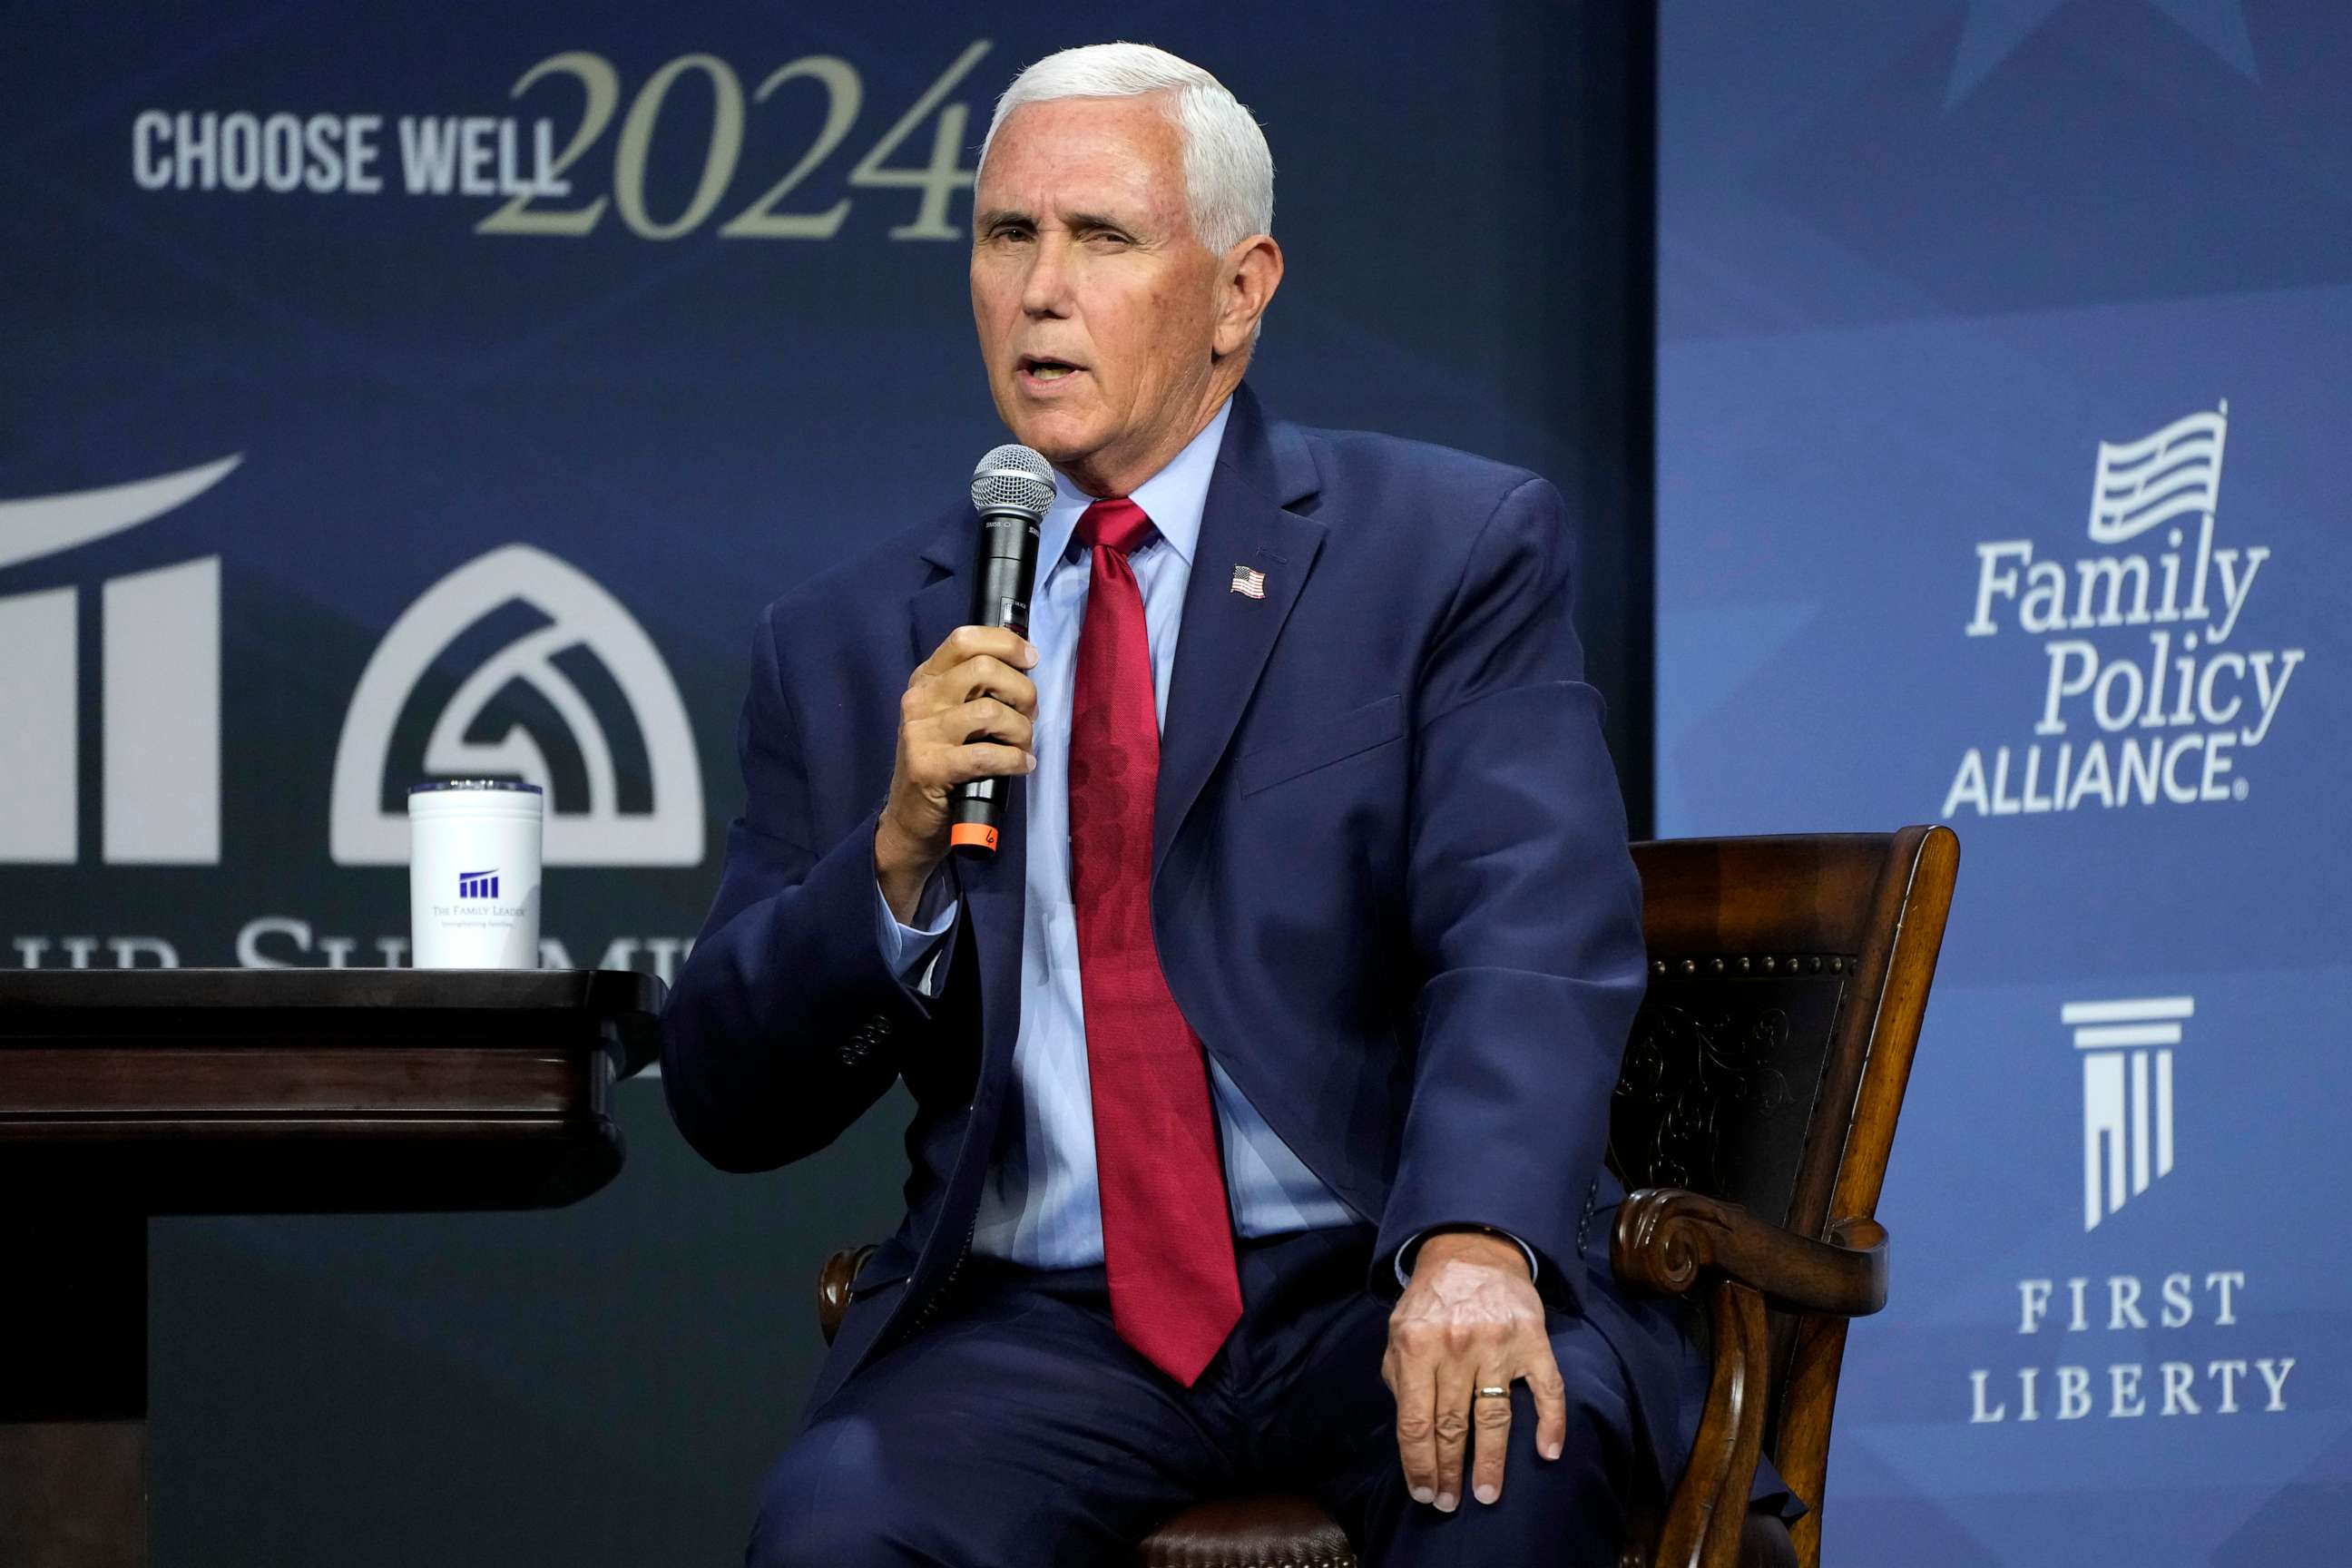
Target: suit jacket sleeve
1524,907
787,1020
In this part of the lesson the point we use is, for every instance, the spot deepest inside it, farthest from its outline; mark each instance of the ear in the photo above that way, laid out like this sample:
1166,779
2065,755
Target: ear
1246,280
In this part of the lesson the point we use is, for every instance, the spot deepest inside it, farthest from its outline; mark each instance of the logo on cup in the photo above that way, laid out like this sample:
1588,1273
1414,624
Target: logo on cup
477,884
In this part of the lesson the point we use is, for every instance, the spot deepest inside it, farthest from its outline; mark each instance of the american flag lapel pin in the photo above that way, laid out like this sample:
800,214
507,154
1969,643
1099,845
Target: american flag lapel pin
1248,583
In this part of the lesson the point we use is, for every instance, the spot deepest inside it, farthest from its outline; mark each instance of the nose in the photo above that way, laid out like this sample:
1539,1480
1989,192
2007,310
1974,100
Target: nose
1045,291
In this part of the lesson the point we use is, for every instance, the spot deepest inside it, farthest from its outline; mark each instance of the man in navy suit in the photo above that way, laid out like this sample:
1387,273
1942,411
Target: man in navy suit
1262,1071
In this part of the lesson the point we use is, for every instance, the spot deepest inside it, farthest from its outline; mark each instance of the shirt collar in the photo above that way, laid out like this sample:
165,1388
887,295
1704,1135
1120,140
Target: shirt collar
1173,499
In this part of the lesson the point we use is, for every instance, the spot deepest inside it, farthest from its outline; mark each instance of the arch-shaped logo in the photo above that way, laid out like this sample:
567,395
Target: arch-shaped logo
518,663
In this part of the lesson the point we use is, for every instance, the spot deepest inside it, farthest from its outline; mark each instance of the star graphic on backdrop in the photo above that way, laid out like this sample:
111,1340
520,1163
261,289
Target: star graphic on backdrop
1713,652
1995,29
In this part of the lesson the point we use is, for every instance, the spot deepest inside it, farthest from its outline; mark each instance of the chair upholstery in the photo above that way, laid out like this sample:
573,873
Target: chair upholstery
1246,1532
1752,1123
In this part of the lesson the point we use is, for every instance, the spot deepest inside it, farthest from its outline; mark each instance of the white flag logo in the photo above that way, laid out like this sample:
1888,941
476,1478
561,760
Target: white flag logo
2175,471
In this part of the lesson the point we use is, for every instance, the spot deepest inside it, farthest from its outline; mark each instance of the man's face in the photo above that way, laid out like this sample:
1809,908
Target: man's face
1096,304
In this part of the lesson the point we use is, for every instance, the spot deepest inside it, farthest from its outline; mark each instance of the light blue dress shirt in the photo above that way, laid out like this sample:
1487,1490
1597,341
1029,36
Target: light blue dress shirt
1041,1207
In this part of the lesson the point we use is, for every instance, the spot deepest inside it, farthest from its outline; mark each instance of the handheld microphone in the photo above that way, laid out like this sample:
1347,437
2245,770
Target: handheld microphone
1011,489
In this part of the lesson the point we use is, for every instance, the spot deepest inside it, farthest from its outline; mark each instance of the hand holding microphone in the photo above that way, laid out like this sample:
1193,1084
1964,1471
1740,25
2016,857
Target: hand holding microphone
969,711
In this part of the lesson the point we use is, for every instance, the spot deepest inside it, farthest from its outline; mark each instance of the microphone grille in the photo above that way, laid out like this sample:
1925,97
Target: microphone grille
1013,479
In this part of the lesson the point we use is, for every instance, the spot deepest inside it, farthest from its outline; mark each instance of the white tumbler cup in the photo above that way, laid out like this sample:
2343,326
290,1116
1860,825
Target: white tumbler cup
472,874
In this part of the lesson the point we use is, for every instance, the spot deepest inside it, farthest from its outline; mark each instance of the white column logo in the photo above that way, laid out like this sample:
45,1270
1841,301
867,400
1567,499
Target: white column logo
2127,1095
158,689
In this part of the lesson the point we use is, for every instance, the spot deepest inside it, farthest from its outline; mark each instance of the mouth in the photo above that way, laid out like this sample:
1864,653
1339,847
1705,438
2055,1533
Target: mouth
1039,372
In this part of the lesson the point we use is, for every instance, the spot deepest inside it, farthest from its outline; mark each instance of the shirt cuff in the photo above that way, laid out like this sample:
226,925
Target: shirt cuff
905,949
1412,1245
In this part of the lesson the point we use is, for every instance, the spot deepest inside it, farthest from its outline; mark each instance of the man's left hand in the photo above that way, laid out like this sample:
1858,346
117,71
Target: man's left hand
1469,1319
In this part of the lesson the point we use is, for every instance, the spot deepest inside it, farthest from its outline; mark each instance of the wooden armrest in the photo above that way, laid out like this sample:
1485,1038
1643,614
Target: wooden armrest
833,1287
1667,1239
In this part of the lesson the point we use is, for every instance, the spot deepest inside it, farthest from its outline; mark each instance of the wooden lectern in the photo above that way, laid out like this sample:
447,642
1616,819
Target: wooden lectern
127,1093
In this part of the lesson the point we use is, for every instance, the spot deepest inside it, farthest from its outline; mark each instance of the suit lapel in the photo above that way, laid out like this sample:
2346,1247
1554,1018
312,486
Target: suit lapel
1228,636
945,603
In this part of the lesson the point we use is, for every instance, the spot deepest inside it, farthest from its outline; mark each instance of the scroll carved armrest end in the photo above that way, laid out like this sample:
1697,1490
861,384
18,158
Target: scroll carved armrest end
1668,1239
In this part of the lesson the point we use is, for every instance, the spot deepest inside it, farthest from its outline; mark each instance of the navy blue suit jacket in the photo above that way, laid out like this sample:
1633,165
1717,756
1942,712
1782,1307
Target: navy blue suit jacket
1390,885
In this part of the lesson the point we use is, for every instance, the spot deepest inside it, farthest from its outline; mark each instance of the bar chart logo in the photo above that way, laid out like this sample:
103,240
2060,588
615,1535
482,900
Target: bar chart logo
518,665
157,686
474,885
2126,1049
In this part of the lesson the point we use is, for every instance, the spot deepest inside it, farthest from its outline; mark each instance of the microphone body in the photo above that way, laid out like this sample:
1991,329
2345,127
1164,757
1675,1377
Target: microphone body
1011,489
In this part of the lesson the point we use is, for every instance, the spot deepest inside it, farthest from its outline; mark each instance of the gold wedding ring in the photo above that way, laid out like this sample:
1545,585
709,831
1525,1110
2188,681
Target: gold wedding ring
1490,1392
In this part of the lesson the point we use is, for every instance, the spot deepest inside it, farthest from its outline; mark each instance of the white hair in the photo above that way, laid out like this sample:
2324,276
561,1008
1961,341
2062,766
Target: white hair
1228,172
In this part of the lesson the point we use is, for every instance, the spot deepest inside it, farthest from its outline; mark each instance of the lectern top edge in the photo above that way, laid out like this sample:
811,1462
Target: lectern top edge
614,991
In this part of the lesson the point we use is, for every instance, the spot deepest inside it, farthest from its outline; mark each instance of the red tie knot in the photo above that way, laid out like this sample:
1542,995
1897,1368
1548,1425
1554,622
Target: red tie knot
1118,523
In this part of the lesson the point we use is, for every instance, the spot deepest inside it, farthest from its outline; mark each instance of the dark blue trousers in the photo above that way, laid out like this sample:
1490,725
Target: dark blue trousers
1018,1431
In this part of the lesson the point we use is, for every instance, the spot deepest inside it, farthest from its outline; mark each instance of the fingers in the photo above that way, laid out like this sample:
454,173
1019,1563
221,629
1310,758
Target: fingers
1455,1382
928,696
972,642
988,676
969,690
1001,648
983,760
968,712
1412,1378
980,739
1432,1379
1551,1399
981,719
1490,1426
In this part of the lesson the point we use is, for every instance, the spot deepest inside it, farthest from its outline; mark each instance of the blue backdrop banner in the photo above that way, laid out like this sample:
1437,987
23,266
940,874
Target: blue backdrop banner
2000,399
394,390
401,392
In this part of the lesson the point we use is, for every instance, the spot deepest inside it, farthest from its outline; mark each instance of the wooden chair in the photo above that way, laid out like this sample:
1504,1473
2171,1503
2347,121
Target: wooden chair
1752,1123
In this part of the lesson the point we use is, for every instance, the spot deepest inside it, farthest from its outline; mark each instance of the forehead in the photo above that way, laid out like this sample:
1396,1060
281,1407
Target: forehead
1087,154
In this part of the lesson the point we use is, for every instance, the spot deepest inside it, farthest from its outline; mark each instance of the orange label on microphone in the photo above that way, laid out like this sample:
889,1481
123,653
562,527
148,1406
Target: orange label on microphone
974,834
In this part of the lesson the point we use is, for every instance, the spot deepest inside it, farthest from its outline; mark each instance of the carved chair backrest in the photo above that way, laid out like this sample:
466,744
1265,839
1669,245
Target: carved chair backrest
1766,1065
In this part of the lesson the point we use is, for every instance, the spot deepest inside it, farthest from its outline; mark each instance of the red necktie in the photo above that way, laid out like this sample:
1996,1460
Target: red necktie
1168,1237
